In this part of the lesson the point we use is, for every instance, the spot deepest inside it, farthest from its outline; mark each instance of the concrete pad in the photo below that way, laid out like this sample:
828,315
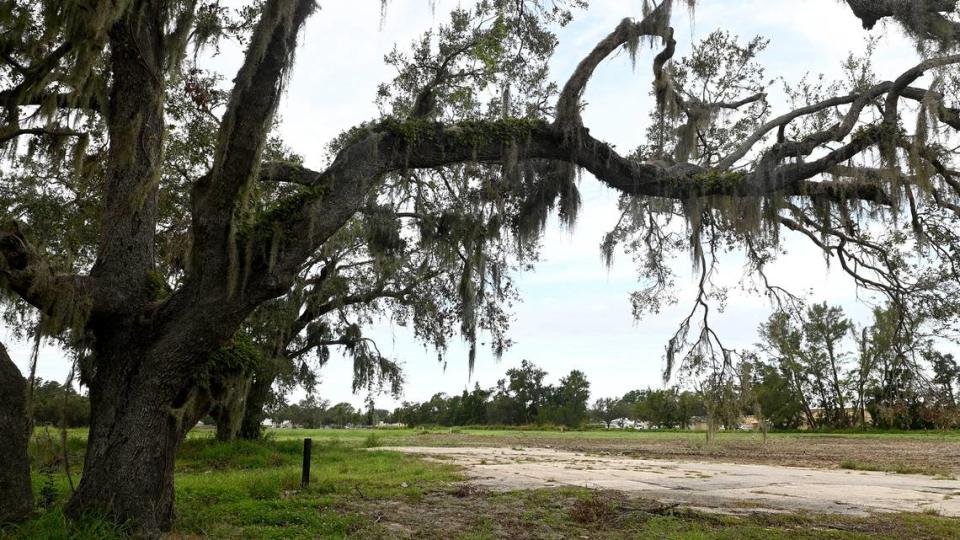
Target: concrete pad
709,485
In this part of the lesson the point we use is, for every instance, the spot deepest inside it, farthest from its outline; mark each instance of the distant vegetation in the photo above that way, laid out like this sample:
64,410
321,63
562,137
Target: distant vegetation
813,370
55,404
521,398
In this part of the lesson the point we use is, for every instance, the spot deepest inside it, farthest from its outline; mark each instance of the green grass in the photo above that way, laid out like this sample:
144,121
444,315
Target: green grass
252,490
898,468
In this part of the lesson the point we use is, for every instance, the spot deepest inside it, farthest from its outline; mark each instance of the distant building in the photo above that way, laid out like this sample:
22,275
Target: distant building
627,423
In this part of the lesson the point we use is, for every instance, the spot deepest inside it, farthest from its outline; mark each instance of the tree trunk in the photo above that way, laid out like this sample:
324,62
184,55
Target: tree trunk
842,416
138,404
16,492
195,409
229,403
139,371
251,427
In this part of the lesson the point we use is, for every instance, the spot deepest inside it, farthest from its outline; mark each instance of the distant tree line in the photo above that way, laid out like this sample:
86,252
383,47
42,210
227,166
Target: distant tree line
55,404
521,398
814,369
312,412
667,408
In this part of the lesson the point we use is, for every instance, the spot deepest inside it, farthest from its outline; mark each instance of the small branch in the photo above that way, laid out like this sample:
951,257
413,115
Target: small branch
53,132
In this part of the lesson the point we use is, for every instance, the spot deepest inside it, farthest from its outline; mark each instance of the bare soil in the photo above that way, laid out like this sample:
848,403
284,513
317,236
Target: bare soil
928,454
705,485
565,513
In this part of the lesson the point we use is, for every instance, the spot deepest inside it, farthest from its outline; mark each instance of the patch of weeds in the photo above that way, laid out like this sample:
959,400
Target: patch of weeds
207,454
263,487
322,487
48,491
53,524
592,509
749,503
468,490
333,443
372,441
47,452
898,468
483,530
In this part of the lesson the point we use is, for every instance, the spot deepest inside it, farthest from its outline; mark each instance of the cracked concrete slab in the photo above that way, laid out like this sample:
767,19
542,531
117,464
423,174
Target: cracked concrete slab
705,485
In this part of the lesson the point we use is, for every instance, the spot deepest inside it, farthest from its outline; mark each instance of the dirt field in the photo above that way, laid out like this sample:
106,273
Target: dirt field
246,489
932,454
716,486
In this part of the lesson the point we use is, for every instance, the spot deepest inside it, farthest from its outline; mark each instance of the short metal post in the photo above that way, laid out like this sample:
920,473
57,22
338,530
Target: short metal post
305,478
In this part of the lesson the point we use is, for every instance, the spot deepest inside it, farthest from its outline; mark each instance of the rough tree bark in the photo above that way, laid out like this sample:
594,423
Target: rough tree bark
230,404
924,18
251,426
16,491
128,469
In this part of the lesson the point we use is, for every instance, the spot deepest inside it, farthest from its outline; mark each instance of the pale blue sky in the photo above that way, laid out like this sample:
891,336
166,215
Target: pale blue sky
575,312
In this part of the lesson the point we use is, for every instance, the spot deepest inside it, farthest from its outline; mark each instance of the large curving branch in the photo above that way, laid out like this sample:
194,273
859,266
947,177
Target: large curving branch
655,24
332,196
924,18
217,197
25,272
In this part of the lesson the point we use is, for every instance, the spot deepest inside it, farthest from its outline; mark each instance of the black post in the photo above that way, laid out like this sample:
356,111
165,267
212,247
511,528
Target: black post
305,478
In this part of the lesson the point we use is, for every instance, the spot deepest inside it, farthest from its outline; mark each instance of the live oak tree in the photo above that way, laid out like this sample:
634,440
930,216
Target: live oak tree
366,261
85,88
438,260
